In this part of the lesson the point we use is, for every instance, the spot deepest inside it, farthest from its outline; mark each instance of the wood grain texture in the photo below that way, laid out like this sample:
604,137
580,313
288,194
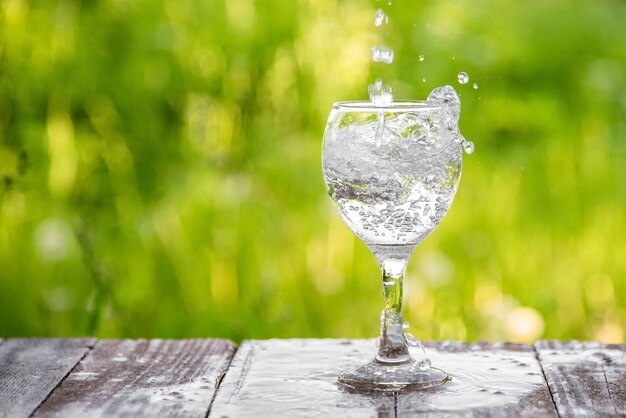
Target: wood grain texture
585,378
31,368
282,378
142,378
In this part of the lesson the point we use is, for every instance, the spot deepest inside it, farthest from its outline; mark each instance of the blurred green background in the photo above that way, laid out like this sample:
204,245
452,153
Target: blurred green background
160,168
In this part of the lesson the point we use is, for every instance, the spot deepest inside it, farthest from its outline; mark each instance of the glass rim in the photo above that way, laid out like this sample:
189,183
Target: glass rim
399,106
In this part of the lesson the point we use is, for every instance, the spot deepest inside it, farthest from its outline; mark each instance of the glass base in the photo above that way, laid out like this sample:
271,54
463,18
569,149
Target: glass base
378,376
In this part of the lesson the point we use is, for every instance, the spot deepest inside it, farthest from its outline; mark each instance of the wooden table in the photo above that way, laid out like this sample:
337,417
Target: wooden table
274,378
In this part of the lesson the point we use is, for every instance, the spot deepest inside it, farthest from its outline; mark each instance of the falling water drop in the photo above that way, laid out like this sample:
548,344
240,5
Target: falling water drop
380,94
463,77
421,57
381,53
468,146
475,86
380,16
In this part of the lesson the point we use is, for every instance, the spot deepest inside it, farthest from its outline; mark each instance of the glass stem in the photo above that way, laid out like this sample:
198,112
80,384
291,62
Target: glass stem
393,347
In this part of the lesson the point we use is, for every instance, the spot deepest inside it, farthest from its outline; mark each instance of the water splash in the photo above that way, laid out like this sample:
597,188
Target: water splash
421,57
400,206
298,378
447,97
462,77
475,85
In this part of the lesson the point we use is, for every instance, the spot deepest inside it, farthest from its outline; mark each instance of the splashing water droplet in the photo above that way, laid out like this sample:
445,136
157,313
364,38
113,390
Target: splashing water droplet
380,16
389,2
475,86
468,146
423,79
446,96
424,365
463,77
421,57
382,54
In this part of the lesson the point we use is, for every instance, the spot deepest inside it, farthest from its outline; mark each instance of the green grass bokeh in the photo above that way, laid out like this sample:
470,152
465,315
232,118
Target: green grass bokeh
160,168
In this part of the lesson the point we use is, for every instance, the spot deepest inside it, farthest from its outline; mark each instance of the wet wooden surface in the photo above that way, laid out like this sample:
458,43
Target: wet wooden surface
150,378
488,380
286,378
585,378
30,369
87,377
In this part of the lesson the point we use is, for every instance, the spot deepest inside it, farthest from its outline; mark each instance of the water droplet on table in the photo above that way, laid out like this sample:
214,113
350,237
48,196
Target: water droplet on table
424,365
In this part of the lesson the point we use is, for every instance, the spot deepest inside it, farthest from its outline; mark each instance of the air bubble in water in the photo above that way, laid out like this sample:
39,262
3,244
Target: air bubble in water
475,86
463,77
421,57
424,365
380,16
468,146
382,54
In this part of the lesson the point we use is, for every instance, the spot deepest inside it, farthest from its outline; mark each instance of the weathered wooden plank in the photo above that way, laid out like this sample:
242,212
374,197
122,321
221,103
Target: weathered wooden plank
585,378
142,378
31,368
287,378
488,380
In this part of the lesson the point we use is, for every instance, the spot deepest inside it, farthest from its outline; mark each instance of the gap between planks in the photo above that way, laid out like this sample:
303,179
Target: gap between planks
545,379
585,378
32,368
89,348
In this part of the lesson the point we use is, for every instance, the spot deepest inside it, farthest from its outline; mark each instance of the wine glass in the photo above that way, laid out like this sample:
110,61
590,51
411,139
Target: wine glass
393,171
